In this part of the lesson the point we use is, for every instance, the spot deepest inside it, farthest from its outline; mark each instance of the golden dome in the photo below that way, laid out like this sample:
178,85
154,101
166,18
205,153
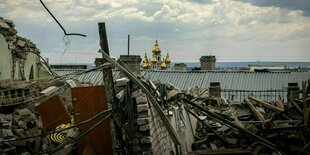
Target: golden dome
154,59
163,65
145,65
156,48
145,60
168,60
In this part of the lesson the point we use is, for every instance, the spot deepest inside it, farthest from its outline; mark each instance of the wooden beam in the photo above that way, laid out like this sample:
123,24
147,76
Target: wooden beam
255,112
109,86
266,104
296,105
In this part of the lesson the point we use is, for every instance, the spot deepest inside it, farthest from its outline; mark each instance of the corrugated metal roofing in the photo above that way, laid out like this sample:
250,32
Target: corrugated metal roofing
239,80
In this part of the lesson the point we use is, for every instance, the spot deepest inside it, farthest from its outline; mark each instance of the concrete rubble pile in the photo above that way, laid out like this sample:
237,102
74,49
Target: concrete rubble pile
22,131
21,123
254,125
21,127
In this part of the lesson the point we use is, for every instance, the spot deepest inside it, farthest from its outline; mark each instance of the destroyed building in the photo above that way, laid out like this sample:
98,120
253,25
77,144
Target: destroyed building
116,108
20,58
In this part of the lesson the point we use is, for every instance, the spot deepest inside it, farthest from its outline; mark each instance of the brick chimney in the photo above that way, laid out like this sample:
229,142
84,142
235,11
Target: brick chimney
293,90
215,89
207,62
132,62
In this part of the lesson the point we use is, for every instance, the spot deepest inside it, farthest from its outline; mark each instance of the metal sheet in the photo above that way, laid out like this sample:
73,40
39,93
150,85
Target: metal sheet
53,113
87,102
242,80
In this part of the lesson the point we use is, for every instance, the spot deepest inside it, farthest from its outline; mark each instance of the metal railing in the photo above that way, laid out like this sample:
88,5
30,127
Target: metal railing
240,95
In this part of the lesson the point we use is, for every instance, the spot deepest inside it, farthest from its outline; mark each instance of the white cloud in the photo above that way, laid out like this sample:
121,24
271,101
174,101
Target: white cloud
232,25
26,14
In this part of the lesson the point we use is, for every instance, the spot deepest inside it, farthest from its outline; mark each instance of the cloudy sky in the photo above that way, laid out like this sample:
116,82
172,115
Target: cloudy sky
233,30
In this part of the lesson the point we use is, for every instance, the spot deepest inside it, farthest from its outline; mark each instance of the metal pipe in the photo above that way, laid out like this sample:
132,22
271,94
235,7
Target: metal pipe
128,44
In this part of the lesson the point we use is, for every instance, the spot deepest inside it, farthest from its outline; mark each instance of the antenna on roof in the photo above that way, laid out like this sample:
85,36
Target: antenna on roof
128,44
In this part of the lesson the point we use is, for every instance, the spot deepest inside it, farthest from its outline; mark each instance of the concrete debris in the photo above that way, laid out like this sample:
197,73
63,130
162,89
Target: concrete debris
172,94
3,24
23,123
196,92
121,82
276,123
48,91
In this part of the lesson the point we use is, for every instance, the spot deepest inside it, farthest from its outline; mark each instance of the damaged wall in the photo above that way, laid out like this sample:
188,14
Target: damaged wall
19,56
5,59
151,136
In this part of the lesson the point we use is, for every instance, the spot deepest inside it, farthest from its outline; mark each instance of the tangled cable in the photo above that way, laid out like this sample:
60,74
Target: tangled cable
63,29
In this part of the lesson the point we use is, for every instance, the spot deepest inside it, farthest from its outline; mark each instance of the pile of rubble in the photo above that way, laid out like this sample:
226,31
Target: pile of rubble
254,125
18,125
23,131
21,128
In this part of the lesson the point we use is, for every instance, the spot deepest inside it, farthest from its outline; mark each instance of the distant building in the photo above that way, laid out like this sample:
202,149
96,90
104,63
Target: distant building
156,62
207,62
266,68
180,66
74,66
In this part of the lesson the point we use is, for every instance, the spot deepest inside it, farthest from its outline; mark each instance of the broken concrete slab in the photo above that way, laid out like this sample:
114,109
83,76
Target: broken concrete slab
121,81
21,43
4,25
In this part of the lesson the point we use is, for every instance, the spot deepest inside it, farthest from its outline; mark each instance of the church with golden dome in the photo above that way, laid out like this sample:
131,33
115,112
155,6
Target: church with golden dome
156,62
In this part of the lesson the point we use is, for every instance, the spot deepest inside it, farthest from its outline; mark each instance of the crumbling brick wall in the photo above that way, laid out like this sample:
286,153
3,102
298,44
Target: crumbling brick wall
19,48
151,136
162,143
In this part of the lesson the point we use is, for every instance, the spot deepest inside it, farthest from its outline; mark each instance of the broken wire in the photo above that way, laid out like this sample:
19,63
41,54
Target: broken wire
67,42
65,32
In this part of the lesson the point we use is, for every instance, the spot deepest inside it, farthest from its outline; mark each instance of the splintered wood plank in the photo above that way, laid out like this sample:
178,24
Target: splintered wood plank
53,113
87,102
254,111
267,104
